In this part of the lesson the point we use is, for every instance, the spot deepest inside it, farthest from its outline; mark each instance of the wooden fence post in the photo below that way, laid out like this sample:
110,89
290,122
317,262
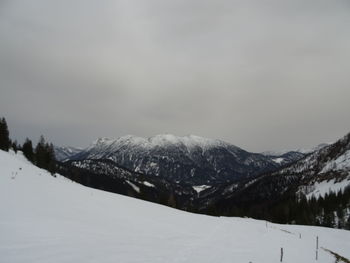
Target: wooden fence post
281,254
317,248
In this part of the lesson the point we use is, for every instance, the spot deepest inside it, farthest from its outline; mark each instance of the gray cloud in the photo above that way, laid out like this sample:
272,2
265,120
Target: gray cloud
260,74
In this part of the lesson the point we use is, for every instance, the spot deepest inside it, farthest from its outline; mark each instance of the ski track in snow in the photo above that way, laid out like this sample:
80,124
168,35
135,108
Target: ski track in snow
48,219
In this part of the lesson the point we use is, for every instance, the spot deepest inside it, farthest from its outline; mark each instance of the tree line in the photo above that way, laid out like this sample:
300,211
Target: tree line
42,155
330,210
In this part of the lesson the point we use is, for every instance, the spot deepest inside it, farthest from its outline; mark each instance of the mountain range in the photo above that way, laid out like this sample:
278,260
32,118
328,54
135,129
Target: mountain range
211,176
190,159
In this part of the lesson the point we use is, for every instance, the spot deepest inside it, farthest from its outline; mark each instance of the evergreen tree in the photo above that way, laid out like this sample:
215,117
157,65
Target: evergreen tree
40,153
328,220
45,155
27,149
5,141
14,146
50,158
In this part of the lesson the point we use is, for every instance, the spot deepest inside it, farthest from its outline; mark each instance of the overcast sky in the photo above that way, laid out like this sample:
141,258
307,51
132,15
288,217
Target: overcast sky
263,75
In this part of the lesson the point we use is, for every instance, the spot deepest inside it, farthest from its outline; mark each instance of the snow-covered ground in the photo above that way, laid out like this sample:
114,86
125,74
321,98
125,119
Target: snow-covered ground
278,160
47,219
200,188
320,189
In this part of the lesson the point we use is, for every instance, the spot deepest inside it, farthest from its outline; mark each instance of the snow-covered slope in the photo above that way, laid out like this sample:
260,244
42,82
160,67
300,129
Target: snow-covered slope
48,219
320,189
191,159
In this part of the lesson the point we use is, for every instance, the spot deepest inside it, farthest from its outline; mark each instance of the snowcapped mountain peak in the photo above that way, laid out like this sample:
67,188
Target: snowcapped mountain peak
102,141
314,149
192,140
164,139
188,141
161,140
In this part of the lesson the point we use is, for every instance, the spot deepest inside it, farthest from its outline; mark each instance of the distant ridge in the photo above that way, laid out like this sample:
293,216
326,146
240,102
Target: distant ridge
190,159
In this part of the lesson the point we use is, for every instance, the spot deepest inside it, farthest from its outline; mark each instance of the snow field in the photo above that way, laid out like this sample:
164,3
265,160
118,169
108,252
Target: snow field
48,219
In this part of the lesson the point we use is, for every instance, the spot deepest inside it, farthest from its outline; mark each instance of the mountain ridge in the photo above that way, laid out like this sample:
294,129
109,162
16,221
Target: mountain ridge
190,159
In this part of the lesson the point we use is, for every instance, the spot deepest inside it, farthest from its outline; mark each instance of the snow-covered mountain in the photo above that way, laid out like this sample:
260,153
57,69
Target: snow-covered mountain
331,162
316,175
198,174
289,156
63,153
328,163
334,157
189,159
52,219
303,151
